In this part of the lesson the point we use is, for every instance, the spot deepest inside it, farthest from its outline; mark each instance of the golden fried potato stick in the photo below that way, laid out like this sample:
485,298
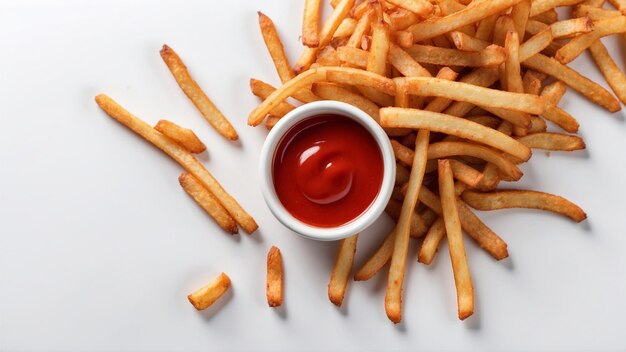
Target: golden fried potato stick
512,78
611,72
181,156
208,202
183,136
275,48
535,44
537,124
462,277
491,56
346,28
449,149
393,296
437,122
594,13
484,31
404,63
431,242
353,56
468,43
332,74
577,45
572,27
575,80
541,6
471,14
263,90
422,8
520,14
326,34
310,30
362,26
401,19
465,173
377,62
484,97
403,39
331,91
274,278
378,260
547,17
207,295
193,91
524,199
552,141
271,121
341,271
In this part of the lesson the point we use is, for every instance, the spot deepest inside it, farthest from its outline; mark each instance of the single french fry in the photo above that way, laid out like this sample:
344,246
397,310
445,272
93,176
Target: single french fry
183,136
346,28
207,201
470,14
611,72
466,174
462,277
404,63
577,45
271,121
377,62
401,19
531,83
378,260
484,97
275,48
341,271
535,44
205,296
561,118
541,6
310,29
465,42
594,13
362,26
485,27
437,122
491,56
330,91
420,7
193,91
520,14
483,235
181,156
353,56
553,141
547,17
274,278
403,39
575,80
537,124
431,242
524,199
393,296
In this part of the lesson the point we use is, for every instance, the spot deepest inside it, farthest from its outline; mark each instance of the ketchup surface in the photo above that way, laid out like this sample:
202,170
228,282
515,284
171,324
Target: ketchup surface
327,170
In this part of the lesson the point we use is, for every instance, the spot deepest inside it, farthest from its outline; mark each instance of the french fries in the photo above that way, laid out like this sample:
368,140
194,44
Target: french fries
193,91
310,31
491,56
341,271
577,45
552,141
205,296
462,277
611,72
181,156
420,7
524,199
183,136
207,201
274,279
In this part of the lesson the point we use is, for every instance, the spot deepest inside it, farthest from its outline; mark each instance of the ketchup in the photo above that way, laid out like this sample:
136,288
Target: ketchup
327,170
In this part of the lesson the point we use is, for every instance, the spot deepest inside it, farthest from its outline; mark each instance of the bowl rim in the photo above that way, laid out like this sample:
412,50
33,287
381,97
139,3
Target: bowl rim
360,223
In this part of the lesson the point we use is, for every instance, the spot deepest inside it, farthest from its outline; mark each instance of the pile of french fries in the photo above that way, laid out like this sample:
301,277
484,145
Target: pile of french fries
464,89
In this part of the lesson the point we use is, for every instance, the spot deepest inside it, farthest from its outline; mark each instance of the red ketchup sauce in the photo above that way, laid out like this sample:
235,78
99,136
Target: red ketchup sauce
327,170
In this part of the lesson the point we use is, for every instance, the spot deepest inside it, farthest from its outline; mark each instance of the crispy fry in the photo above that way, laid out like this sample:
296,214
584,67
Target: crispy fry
353,56
329,91
377,62
485,27
483,235
491,56
462,277
401,19
404,63
207,295
611,72
576,81
594,13
436,122
572,27
346,28
541,6
547,17
378,260
476,95
403,39
274,279
419,7
466,174
535,44
271,121
524,199
181,156
472,13
465,42
393,296
183,136
310,30
577,45
207,201
553,141
341,271
431,242
520,14
193,91
275,48
362,26
537,124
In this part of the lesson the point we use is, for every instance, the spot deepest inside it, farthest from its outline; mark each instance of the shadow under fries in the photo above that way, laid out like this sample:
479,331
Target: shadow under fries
214,309
281,311
256,236
204,156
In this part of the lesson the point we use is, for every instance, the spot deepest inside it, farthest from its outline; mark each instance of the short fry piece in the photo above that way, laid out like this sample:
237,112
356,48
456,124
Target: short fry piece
378,260
275,48
524,199
553,141
310,30
491,56
207,201
341,271
419,7
193,91
207,295
181,156
183,136
431,242
274,285
462,276
611,72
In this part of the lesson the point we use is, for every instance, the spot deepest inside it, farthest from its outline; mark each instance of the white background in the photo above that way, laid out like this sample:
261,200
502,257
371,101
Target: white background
99,246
